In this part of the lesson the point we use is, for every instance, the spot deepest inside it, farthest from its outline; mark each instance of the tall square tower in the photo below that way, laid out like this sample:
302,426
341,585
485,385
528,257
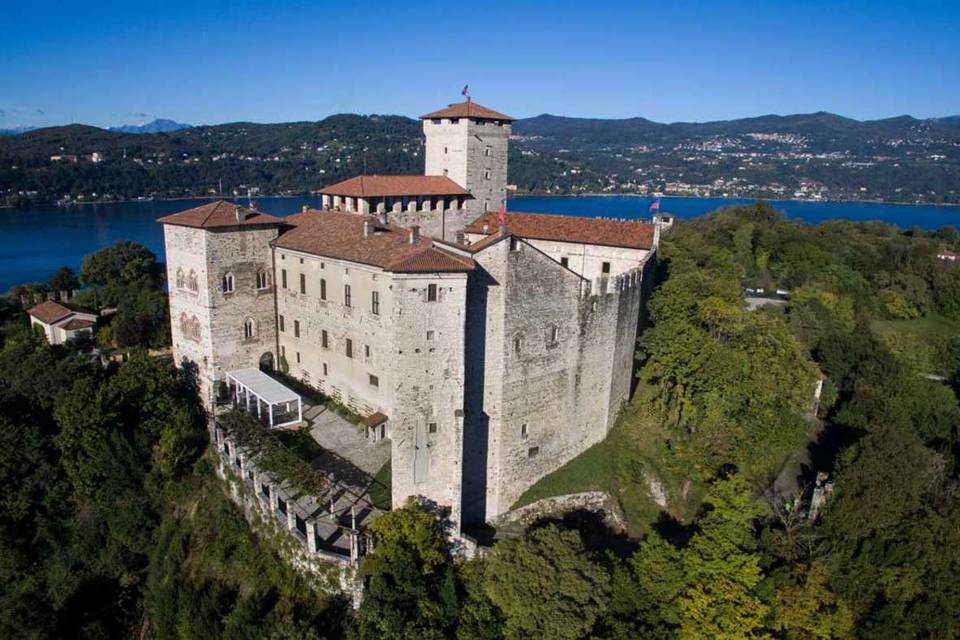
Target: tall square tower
468,143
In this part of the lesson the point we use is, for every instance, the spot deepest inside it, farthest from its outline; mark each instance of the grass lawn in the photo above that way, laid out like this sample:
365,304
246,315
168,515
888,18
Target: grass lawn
633,450
380,489
919,342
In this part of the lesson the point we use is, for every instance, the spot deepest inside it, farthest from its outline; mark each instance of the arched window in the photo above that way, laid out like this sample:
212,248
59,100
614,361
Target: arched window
180,278
192,282
227,283
195,328
249,328
184,325
262,282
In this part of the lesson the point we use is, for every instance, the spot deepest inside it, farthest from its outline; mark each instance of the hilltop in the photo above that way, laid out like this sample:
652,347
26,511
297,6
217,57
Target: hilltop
816,155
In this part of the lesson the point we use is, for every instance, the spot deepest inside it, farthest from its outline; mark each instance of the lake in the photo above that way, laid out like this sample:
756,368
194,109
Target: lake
35,241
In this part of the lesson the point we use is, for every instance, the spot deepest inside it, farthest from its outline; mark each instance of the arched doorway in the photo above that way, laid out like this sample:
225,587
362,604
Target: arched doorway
266,362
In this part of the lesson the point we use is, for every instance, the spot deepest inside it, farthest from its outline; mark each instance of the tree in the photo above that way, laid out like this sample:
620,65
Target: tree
809,609
547,585
63,280
122,264
410,585
723,568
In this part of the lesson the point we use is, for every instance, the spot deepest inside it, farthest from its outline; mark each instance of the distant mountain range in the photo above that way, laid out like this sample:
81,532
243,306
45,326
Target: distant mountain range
160,125
817,156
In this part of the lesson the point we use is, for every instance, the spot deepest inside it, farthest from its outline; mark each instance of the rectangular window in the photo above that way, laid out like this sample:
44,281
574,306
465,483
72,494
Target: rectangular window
324,369
375,302
605,267
533,452
430,335
281,324
283,278
346,295
366,350
432,427
524,430
296,328
349,348
374,381
323,288
564,262
431,293
324,339
298,357
303,283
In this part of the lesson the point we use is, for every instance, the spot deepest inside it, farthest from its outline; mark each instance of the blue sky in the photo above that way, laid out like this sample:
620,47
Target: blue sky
108,63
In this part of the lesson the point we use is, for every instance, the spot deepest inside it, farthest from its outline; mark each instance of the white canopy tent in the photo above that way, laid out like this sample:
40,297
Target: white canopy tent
247,384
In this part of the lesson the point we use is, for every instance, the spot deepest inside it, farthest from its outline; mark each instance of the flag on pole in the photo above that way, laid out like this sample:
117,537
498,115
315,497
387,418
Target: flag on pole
502,214
466,91
655,205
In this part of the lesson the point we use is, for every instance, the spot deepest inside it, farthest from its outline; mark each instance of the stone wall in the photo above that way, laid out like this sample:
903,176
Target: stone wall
555,356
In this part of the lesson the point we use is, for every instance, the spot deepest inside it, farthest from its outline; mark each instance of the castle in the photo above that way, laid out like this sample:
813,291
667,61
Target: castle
490,348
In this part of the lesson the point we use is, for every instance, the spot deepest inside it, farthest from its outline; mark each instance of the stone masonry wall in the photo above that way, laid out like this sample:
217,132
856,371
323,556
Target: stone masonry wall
567,380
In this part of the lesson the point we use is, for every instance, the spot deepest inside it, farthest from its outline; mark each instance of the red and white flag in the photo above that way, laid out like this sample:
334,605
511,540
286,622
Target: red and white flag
655,205
466,91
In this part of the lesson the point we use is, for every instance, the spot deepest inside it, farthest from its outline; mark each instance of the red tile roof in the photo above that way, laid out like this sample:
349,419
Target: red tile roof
375,420
380,186
76,323
219,214
468,109
340,235
600,231
49,312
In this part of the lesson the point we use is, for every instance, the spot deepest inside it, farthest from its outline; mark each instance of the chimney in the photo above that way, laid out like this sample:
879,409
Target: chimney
486,228
367,228
305,208
461,237
414,234
241,214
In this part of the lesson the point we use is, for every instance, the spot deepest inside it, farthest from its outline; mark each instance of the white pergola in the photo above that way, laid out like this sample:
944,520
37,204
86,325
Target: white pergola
264,390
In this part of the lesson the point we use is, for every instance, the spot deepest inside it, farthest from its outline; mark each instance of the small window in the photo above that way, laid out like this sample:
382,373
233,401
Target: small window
282,328
181,279
303,283
227,283
524,430
514,243
375,303
248,328
553,334
430,335
346,295
488,152
605,267
366,351
283,278
324,339
324,369
565,262
298,357
374,380
296,328
445,172
349,348
261,279
518,345
323,288
432,428
445,151
486,175
533,452
431,293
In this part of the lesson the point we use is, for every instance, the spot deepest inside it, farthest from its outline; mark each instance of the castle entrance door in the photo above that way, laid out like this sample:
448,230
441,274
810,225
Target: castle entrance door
266,362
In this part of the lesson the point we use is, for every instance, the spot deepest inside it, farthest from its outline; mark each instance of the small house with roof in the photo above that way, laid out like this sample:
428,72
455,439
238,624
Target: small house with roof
59,322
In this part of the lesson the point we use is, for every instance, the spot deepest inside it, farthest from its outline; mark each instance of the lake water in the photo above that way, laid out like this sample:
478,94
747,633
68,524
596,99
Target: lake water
35,241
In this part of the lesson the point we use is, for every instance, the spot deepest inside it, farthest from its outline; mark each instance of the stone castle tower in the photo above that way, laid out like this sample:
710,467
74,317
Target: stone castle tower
468,143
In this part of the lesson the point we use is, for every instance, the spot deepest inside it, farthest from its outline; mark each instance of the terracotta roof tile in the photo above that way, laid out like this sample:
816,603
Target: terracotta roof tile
600,231
380,186
49,312
468,109
340,235
375,419
219,214
76,323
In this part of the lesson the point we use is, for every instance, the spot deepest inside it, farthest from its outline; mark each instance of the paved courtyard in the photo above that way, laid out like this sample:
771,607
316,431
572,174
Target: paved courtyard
347,453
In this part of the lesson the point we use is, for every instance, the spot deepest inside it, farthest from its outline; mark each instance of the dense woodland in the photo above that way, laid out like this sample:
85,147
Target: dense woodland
114,525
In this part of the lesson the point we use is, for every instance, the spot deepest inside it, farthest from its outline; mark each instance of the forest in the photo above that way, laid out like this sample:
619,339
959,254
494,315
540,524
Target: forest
115,525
